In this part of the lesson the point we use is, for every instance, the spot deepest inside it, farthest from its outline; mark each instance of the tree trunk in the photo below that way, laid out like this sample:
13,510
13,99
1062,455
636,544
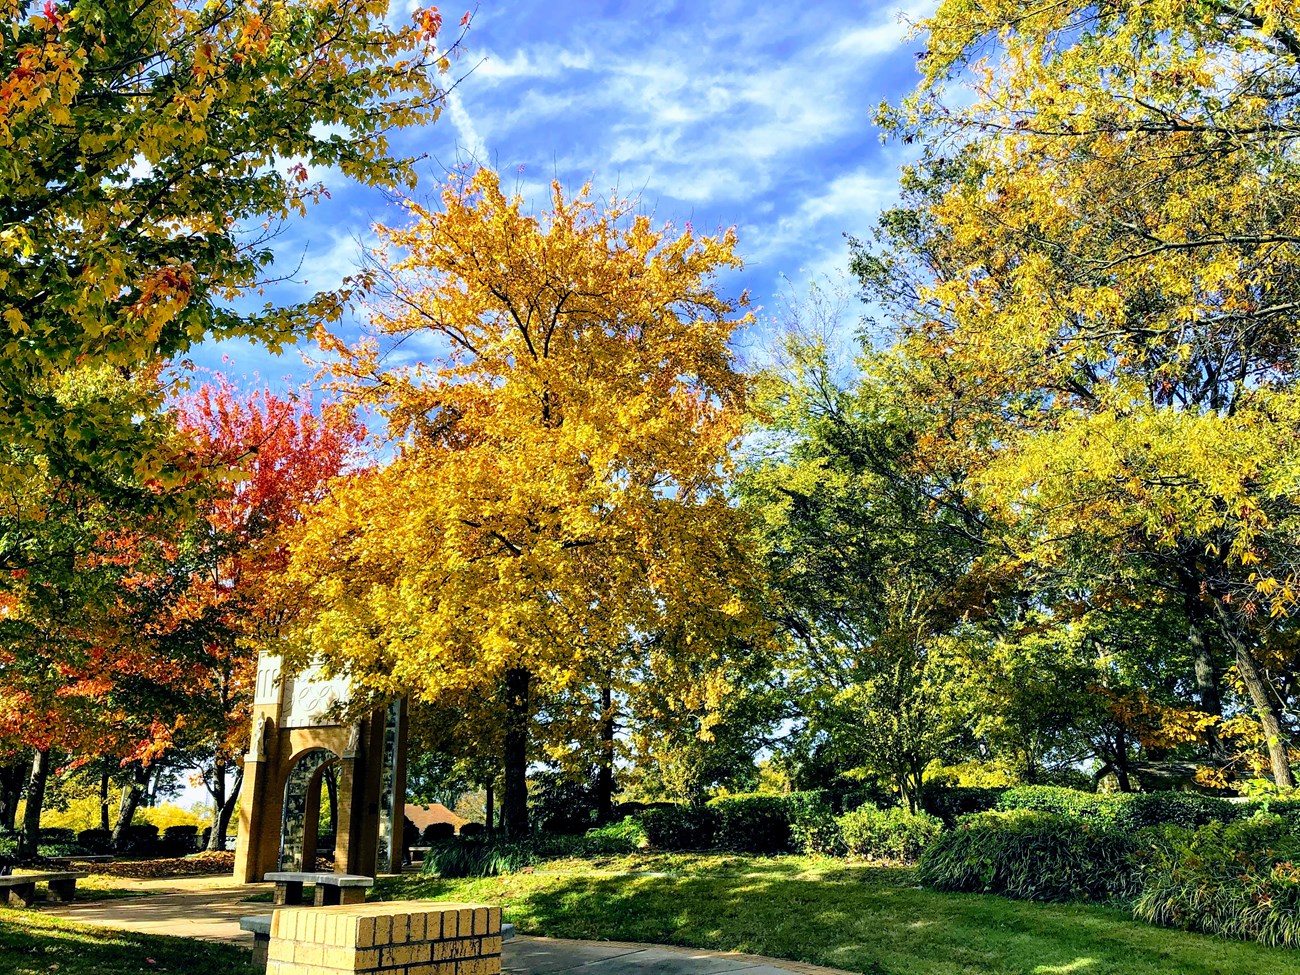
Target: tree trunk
605,773
1204,666
1121,760
105,780
1262,695
11,790
490,789
514,804
30,839
223,811
130,802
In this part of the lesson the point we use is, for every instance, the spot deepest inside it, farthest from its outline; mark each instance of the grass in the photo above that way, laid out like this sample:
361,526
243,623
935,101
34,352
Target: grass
31,944
860,918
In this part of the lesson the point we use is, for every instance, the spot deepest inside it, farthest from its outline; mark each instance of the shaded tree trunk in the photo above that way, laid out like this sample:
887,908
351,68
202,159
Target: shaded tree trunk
1205,667
31,835
490,791
105,780
514,804
605,772
11,790
223,810
130,802
1121,760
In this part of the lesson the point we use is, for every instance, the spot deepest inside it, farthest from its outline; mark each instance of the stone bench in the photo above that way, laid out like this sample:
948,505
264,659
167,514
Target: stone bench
331,888
260,927
89,858
386,938
21,887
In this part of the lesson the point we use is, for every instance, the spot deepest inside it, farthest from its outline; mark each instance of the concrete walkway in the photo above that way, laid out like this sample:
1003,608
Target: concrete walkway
209,908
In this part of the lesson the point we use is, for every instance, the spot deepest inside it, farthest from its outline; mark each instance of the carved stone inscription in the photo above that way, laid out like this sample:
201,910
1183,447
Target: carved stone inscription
268,680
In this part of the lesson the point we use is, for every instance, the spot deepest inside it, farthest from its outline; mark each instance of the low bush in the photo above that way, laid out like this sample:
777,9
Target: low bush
1135,810
179,840
813,828
141,838
473,829
1055,799
1239,880
950,803
680,827
95,840
1034,855
438,833
478,858
887,834
758,823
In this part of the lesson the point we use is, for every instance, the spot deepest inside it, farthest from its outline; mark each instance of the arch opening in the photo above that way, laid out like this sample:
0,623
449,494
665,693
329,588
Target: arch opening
301,826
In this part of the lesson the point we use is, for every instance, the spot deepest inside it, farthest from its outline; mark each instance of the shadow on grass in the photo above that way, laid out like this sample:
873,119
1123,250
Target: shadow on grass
35,945
862,919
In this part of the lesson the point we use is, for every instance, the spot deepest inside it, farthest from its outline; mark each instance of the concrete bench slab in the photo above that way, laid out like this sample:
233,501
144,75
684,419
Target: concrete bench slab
331,888
21,887
260,926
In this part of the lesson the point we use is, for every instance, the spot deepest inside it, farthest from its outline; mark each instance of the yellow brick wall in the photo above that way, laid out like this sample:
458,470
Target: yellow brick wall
396,938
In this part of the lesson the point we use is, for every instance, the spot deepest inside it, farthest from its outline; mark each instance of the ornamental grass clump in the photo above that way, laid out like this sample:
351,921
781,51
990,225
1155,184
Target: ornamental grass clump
1238,880
1033,855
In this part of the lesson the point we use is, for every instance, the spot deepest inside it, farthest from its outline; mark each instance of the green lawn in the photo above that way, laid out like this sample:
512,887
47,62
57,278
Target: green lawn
31,944
860,918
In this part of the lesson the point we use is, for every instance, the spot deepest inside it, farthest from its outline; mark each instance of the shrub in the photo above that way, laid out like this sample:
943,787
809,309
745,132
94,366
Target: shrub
813,828
58,836
1135,810
95,840
179,839
1034,856
1238,880
140,838
477,858
950,803
680,827
887,834
439,833
751,823
611,840
472,830
1055,799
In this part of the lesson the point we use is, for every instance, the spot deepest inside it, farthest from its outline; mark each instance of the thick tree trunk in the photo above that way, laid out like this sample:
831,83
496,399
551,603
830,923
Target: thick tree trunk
30,839
130,802
11,790
605,772
514,804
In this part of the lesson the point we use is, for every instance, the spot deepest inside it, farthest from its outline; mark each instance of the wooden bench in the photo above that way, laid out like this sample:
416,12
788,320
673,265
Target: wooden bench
331,888
21,887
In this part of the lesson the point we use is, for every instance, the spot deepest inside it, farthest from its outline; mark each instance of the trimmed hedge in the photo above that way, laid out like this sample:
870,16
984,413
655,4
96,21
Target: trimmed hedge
751,823
680,828
951,803
1032,855
1125,810
438,833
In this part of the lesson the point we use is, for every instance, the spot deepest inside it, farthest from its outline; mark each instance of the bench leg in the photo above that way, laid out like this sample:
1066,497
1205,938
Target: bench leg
22,895
352,895
63,891
287,892
327,895
261,948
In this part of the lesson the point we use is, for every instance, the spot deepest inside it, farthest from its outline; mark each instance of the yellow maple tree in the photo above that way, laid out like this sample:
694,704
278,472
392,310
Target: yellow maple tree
557,497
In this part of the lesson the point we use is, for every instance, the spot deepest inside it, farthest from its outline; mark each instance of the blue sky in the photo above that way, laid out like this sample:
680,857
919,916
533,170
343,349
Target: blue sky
721,113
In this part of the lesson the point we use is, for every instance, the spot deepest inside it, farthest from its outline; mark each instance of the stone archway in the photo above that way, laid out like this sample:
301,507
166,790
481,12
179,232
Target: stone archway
297,735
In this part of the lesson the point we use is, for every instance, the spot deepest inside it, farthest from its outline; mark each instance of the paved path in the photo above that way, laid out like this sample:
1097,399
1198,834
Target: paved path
209,908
